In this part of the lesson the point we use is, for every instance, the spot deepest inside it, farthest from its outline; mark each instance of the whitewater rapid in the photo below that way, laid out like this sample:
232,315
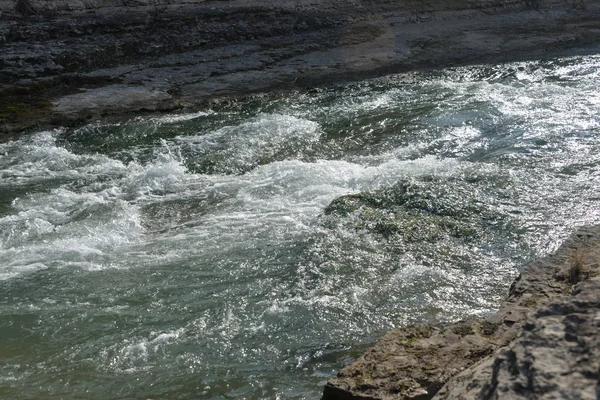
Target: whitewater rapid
198,256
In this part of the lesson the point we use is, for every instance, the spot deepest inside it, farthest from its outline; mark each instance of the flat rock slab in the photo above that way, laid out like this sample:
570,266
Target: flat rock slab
112,98
181,54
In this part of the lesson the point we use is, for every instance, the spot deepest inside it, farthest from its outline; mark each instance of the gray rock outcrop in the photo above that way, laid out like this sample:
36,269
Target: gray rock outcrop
72,60
542,343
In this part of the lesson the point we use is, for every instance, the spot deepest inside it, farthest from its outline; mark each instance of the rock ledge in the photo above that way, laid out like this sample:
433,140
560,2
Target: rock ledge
544,342
71,61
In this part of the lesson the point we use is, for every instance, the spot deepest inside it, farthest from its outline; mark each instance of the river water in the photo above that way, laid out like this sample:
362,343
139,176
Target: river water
252,249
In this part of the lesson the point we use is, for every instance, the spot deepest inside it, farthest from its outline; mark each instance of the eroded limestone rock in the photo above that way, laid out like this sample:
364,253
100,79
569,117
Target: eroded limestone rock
544,342
196,51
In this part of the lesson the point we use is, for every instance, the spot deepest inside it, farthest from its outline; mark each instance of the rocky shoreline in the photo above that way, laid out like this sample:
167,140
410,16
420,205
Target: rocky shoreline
544,342
74,61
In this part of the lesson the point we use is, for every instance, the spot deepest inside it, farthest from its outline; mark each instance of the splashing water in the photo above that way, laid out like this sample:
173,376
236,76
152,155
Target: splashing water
251,250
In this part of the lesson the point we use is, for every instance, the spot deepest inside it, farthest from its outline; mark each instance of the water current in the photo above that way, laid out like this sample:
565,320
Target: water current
250,250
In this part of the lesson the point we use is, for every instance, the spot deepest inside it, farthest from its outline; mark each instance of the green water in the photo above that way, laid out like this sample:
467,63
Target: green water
252,250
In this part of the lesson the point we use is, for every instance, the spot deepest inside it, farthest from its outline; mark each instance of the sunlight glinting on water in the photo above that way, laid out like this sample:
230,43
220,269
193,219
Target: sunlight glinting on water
248,251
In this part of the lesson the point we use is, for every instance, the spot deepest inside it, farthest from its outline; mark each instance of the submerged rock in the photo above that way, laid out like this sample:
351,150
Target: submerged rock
544,342
422,211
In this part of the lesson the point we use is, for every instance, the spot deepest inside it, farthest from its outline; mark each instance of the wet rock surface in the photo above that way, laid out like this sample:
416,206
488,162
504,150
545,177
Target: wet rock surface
71,61
542,343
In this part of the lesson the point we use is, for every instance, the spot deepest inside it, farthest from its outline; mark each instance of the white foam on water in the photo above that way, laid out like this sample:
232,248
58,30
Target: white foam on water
65,213
81,222
38,158
460,141
241,147
164,175
173,118
365,103
12,271
139,354
282,199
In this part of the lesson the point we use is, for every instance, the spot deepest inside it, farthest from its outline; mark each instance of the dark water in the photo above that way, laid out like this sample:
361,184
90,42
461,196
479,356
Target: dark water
251,250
